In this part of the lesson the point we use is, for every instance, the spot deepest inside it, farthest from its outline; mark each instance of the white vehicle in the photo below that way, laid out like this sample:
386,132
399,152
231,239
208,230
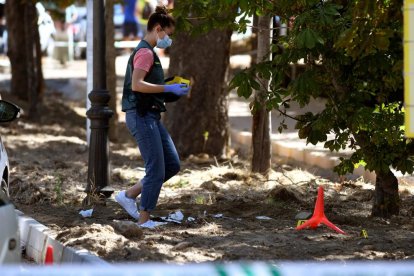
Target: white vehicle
8,112
10,251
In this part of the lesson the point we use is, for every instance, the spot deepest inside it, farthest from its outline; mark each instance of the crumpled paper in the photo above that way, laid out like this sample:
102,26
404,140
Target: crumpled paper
86,213
263,218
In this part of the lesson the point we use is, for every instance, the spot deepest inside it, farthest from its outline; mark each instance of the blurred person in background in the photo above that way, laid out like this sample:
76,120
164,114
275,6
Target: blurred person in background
71,16
60,51
131,28
47,29
3,36
3,32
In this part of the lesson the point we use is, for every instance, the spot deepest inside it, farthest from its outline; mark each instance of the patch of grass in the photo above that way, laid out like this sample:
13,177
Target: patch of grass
58,189
275,203
179,184
93,197
203,199
199,199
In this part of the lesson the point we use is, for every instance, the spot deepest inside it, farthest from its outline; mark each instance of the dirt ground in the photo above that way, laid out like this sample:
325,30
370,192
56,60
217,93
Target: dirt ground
48,159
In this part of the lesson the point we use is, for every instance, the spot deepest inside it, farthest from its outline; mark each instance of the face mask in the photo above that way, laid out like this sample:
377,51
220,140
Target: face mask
164,42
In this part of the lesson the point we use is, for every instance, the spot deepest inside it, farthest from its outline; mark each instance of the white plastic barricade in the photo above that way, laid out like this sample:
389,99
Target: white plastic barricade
366,268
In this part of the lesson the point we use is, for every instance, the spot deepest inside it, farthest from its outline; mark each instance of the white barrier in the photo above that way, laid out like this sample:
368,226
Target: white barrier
367,268
35,238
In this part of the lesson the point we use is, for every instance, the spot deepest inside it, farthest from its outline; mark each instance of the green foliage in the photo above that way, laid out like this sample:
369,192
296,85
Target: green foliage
201,16
58,189
61,4
57,8
352,56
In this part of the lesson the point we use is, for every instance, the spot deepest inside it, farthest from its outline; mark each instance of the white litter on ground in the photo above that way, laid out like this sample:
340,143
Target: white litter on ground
190,219
263,218
176,217
152,224
218,216
86,213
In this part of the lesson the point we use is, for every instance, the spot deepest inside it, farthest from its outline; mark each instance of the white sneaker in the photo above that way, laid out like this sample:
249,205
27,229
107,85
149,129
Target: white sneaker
128,204
151,224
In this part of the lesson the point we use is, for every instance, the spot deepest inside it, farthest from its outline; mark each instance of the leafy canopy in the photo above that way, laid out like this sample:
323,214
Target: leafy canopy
352,56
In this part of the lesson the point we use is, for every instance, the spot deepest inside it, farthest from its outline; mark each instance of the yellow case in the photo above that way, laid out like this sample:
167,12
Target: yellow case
178,79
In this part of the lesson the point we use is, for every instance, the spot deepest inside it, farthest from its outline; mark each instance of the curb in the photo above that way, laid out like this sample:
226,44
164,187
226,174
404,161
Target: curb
298,153
35,237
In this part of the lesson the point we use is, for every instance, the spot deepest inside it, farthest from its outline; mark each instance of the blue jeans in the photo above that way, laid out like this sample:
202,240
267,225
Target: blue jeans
158,152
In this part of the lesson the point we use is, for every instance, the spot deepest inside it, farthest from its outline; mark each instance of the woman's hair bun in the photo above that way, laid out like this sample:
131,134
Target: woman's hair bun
161,17
161,10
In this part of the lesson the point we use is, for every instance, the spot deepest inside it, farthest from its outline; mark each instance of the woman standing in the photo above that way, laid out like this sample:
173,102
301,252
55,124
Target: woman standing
143,101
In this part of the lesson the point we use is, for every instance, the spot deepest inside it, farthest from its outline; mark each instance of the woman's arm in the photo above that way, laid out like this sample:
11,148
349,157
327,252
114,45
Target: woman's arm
138,83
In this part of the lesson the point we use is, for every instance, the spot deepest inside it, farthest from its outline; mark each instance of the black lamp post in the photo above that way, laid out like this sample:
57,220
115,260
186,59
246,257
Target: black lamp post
99,112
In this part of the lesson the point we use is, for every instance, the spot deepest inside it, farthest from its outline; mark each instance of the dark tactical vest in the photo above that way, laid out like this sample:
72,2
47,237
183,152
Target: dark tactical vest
143,102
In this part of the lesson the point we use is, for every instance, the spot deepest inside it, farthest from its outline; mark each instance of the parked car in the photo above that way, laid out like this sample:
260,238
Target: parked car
10,251
8,113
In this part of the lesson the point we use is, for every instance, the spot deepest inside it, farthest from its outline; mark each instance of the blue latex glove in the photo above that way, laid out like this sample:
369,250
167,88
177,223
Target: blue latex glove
177,89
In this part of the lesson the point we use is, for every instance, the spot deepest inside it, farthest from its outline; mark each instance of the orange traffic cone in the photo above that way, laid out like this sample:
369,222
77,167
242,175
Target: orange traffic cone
49,255
318,216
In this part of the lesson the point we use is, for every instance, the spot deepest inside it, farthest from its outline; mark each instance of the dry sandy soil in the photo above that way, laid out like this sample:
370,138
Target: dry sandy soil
48,160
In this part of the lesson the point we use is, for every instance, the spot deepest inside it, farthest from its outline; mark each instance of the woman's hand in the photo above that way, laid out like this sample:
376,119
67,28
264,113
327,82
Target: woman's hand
177,89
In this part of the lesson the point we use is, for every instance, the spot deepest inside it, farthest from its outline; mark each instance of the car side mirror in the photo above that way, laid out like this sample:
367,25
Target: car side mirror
8,111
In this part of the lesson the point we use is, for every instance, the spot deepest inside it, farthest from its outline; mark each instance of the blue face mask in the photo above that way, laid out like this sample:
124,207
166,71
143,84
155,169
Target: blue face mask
165,42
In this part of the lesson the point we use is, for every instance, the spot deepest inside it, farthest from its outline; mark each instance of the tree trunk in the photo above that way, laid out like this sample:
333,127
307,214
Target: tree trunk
17,48
199,122
386,199
261,129
34,55
110,69
253,54
24,52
